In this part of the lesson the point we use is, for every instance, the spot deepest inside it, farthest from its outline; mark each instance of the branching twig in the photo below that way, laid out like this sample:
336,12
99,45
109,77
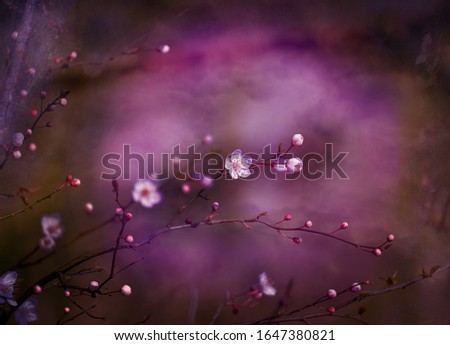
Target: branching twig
23,209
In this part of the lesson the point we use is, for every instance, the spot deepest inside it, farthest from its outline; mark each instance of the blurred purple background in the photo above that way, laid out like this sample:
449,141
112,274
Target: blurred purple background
250,74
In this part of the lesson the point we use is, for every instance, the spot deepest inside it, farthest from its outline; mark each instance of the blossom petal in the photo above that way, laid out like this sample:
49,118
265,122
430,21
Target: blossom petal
246,161
12,302
236,155
8,278
234,174
244,172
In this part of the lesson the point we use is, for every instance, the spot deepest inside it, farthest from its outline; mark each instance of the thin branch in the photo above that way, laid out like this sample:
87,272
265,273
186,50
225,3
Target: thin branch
23,209
185,206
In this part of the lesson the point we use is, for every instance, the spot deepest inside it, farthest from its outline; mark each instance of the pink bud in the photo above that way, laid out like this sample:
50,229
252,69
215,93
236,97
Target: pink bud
63,101
49,124
129,239
66,293
37,289
32,71
14,35
118,211
206,181
43,94
69,178
93,286
58,60
390,238
73,55
297,240
34,112
23,93
32,147
331,293
287,217
125,290
376,252
297,140
29,132
164,49
17,154
88,207
128,216
344,225
185,188
308,224
355,287
215,206
75,182
331,309
17,139
66,310
207,139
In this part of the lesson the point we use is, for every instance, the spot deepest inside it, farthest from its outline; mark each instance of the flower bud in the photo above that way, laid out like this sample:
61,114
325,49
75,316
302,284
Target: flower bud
125,290
297,140
23,93
63,101
164,49
17,154
17,139
355,287
308,224
118,211
297,240
43,94
37,289
207,139
129,239
14,35
66,293
344,225
32,71
66,310
34,112
215,206
32,147
75,182
377,252
185,188
390,238
93,286
294,165
331,309
287,217
73,55
128,216
331,293
88,207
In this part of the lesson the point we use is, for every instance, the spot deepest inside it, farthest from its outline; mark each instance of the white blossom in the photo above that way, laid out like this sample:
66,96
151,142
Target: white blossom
238,165
146,193
7,281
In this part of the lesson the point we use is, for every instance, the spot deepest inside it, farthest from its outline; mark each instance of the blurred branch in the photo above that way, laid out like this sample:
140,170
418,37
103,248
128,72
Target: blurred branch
11,77
23,209
287,317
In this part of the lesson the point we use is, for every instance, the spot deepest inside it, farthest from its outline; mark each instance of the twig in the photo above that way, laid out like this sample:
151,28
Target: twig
23,209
